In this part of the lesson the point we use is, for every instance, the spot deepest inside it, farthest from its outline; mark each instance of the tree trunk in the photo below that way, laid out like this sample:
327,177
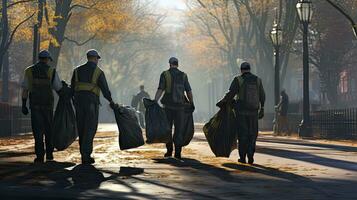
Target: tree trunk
5,32
5,78
62,16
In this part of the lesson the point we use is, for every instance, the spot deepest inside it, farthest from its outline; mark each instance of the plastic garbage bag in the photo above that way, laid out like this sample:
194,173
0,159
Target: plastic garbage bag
187,128
130,134
64,125
157,126
221,132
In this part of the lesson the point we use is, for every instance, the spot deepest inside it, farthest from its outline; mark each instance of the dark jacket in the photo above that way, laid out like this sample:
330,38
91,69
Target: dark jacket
41,93
234,90
85,73
167,99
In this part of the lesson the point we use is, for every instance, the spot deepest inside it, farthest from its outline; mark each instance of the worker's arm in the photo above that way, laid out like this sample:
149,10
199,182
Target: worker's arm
161,88
261,99
190,96
56,82
233,90
158,94
25,94
103,85
261,94
188,90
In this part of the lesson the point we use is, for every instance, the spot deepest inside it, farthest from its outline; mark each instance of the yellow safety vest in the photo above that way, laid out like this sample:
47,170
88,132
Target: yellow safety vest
36,81
241,88
90,87
168,81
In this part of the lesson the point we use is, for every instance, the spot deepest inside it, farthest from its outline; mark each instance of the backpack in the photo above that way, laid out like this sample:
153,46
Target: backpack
175,86
248,96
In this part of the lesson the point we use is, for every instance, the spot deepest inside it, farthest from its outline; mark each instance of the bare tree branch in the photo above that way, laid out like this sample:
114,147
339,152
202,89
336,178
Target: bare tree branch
80,43
82,6
15,29
19,2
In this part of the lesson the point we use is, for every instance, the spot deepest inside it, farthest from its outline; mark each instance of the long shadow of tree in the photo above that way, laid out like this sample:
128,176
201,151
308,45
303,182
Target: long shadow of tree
308,157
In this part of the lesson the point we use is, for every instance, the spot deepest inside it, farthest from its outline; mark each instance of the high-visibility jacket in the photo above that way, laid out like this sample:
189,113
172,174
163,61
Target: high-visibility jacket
40,77
88,86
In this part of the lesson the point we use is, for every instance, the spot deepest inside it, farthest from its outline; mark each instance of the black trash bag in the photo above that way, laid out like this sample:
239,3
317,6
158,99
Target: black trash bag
130,134
64,124
221,132
157,126
187,129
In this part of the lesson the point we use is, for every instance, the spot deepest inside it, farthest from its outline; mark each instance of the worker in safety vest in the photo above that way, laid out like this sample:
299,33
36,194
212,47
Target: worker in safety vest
87,82
39,81
176,91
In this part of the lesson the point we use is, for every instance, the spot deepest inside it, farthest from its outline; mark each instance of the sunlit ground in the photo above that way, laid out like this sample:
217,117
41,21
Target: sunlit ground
287,168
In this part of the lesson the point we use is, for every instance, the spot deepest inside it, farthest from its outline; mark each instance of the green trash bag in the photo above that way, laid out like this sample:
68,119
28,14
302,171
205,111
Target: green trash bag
157,126
130,133
64,124
221,132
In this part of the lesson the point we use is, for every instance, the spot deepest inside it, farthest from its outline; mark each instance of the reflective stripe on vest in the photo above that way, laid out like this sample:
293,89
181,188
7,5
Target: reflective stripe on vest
36,81
168,81
90,87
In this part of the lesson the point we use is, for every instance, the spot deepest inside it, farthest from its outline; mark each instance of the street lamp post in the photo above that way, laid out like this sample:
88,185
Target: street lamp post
276,36
304,9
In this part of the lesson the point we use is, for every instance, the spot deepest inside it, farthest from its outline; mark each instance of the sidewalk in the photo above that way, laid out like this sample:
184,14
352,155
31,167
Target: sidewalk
285,168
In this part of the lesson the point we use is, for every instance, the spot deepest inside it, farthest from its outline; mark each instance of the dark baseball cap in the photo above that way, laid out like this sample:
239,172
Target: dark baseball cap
93,53
44,54
245,66
173,61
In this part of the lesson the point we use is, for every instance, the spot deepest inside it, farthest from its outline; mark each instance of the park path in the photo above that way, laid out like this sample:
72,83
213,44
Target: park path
286,168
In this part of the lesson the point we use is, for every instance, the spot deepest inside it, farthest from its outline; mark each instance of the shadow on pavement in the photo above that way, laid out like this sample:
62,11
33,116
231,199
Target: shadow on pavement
56,180
218,172
269,171
307,143
308,157
10,154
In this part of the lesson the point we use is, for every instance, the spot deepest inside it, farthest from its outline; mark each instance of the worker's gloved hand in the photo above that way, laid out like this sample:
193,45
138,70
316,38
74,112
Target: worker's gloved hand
193,107
113,105
261,113
221,103
24,110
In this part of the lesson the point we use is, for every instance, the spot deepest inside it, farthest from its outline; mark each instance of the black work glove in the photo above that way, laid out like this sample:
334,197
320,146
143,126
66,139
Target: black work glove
261,113
24,110
221,103
113,105
193,107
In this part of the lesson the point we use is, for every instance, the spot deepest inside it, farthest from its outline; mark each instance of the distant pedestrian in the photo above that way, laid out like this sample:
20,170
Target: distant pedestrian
88,81
39,81
249,108
138,104
174,85
282,108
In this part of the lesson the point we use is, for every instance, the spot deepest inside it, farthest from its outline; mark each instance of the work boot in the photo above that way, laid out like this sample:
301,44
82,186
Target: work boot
49,157
169,150
242,160
250,160
178,152
88,161
38,160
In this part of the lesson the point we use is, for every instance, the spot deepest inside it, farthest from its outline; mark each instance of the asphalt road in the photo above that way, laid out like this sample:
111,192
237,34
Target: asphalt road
286,168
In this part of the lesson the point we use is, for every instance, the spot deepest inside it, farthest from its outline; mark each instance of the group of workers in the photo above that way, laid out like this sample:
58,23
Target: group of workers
88,81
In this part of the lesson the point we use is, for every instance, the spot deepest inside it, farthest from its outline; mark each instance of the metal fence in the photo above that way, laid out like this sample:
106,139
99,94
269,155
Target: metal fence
12,121
339,124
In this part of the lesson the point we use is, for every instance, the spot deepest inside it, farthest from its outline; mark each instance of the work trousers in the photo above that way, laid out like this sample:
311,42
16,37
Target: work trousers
87,124
247,135
42,122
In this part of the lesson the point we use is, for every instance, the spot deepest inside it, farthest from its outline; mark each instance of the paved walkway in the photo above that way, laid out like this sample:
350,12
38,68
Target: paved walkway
285,168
